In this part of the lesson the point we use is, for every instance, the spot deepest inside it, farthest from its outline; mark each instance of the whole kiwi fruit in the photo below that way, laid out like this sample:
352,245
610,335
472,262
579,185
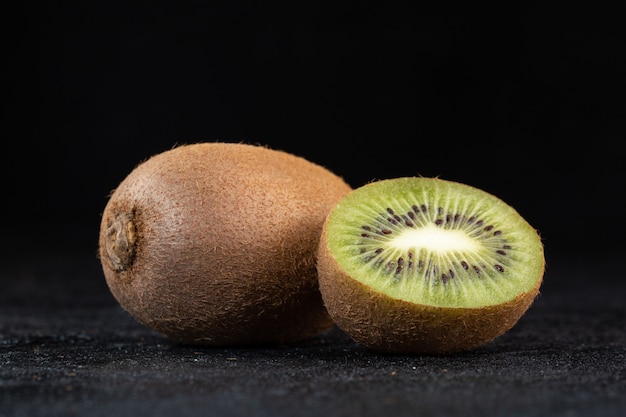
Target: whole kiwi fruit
214,243
427,266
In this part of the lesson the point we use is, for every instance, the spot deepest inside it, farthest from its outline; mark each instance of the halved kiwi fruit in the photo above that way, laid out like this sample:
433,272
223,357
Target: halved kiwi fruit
215,243
425,265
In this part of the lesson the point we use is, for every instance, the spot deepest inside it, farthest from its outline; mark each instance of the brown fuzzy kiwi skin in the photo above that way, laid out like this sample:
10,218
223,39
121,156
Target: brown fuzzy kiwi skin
215,244
390,325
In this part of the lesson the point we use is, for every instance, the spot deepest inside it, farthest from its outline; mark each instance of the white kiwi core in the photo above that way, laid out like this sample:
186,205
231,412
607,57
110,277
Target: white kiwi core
435,239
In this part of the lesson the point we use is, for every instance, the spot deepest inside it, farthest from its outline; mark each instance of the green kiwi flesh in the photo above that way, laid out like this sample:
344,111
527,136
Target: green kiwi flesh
427,265
215,244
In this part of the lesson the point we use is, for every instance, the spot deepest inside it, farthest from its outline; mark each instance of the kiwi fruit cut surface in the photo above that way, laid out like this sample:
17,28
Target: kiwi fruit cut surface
215,243
426,265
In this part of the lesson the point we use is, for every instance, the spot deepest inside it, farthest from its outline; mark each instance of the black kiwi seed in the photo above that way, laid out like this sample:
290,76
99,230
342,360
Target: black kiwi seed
447,220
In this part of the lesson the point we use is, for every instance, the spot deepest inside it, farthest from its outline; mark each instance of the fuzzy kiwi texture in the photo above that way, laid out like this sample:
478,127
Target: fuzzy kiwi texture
215,244
427,266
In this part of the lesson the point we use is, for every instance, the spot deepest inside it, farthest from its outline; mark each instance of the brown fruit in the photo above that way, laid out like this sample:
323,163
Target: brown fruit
215,244
427,266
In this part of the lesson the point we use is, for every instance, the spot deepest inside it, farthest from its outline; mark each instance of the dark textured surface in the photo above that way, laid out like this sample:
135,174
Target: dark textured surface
67,348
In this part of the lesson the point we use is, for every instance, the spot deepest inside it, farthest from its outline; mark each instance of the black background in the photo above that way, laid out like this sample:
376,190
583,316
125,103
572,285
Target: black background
528,107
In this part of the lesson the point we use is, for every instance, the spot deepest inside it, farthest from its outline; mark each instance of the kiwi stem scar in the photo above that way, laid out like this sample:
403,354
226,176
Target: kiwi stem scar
120,242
